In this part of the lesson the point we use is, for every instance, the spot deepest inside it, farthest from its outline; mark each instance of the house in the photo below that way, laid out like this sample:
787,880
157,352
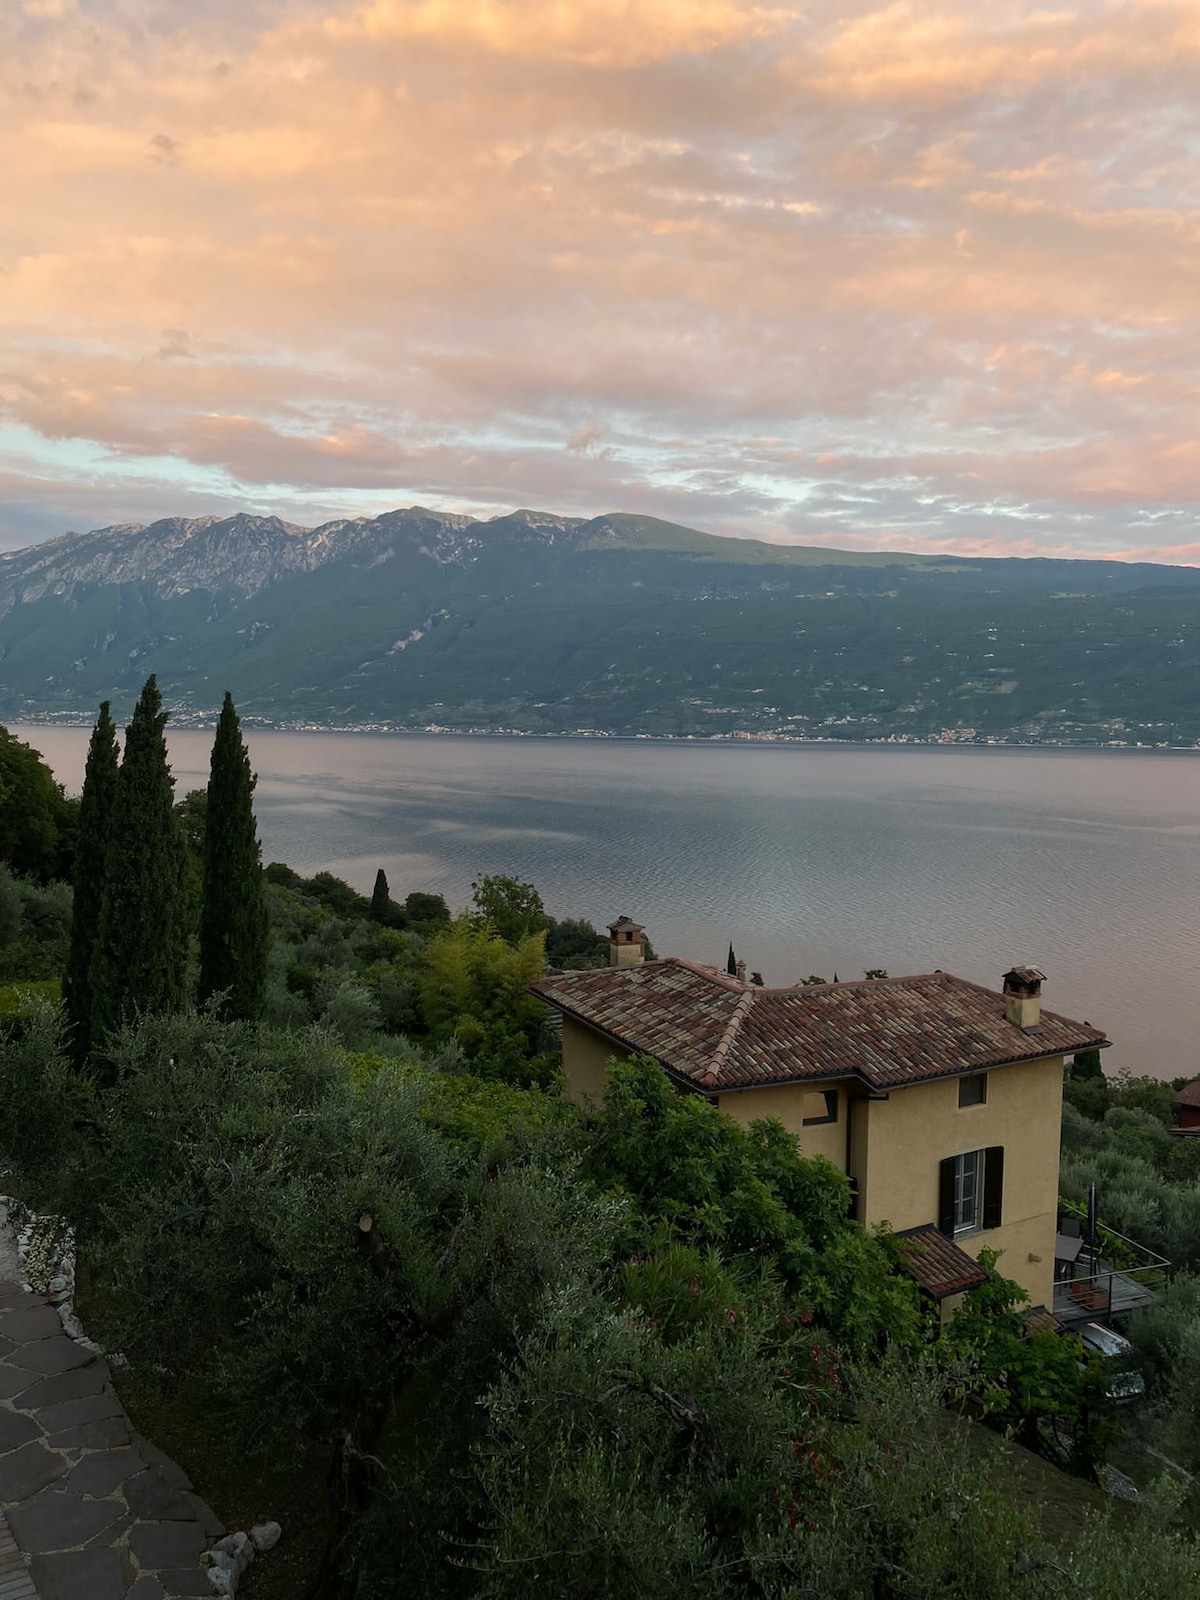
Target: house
938,1098
1187,1106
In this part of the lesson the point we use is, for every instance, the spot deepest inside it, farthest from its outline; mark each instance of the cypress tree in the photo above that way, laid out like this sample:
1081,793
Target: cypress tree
731,964
233,916
140,957
95,819
381,899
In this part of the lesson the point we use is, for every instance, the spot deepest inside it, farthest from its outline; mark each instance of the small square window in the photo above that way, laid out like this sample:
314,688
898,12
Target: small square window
973,1091
824,1106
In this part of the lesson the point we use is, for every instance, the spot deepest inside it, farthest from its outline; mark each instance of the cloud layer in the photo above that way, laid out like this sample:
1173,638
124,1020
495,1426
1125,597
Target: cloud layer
920,274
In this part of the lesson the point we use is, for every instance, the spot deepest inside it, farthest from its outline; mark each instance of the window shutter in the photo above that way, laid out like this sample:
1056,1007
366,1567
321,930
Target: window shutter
946,1197
993,1186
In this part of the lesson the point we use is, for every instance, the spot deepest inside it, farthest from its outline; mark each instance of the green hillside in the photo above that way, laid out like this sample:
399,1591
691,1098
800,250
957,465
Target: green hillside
618,625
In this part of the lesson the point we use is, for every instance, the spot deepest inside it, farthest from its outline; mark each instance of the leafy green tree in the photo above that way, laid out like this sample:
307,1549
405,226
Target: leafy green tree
513,908
33,812
336,895
691,1172
100,780
573,942
475,988
426,913
233,919
731,962
140,957
1039,1384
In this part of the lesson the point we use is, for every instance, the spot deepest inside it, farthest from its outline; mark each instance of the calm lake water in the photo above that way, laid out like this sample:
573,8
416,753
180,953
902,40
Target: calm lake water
810,858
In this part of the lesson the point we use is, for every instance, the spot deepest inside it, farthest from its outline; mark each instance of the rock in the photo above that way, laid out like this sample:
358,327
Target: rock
266,1535
71,1324
221,1581
58,1285
234,1550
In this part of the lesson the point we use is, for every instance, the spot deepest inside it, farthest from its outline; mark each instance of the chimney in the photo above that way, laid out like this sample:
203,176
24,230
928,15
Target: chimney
626,943
1023,998
741,972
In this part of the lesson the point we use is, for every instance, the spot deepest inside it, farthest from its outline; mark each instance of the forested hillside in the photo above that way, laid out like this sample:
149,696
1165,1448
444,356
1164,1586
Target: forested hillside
618,625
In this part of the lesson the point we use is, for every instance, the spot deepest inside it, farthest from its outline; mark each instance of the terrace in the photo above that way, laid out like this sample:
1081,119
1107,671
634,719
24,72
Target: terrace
1099,1274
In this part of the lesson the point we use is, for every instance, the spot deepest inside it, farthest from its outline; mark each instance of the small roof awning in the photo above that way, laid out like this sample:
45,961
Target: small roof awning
940,1266
1038,1320
1067,1248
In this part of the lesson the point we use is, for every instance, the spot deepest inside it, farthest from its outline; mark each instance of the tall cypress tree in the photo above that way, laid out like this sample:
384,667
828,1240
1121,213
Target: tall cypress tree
731,963
233,917
381,898
100,780
140,957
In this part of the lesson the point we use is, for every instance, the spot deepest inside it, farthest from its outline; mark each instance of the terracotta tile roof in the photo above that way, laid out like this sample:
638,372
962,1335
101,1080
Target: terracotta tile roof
1038,1320
1189,1095
721,1033
939,1265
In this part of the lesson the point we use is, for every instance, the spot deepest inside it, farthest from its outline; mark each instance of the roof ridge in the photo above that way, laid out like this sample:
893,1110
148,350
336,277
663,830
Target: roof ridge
714,974
725,1043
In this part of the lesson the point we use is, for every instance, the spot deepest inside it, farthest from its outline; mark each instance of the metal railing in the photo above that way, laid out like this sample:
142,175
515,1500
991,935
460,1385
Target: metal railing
1114,1275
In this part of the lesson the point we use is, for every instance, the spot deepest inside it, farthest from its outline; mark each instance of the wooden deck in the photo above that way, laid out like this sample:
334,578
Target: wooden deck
1100,1298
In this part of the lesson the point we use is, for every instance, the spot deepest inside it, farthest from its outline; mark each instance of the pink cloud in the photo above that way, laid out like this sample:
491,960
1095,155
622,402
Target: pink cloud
944,255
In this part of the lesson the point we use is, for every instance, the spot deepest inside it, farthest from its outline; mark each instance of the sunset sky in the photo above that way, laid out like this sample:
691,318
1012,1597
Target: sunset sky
921,275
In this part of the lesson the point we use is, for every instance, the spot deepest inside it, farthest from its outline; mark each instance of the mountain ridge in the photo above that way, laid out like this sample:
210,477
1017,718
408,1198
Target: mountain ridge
536,622
297,547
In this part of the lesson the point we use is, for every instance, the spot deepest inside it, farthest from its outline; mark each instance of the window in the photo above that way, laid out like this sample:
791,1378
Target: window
972,1091
971,1191
822,1106
968,1182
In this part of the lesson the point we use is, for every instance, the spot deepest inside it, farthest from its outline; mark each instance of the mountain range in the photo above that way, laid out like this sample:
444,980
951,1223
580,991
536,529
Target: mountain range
616,624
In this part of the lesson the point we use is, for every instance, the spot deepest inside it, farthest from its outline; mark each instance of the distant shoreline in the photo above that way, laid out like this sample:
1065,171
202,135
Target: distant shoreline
194,722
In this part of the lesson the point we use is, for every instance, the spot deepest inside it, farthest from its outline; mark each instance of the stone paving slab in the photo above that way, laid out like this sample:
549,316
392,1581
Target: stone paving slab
88,1509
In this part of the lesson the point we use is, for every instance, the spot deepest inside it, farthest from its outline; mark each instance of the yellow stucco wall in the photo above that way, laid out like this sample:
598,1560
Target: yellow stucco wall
791,1103
910,1133
586,1055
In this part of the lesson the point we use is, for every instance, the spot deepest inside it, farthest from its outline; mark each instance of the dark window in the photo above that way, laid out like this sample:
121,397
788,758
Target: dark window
830,1114
972,1091
971,1191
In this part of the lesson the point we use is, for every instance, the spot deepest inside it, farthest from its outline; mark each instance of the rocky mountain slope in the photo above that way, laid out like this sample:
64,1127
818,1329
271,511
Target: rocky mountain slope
614,624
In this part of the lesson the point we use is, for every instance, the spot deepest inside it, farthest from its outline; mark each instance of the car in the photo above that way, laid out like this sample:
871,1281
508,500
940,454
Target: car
1124,1384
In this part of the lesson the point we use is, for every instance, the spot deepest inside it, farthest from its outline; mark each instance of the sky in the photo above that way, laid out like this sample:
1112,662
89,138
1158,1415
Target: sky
920,275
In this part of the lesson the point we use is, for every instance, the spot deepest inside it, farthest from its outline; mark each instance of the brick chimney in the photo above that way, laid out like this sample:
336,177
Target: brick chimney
626,943
1023,998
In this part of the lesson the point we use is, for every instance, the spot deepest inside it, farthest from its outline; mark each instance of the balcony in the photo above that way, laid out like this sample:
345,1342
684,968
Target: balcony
1097,1280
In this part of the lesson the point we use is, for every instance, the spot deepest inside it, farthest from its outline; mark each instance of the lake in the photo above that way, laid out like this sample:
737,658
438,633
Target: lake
811,858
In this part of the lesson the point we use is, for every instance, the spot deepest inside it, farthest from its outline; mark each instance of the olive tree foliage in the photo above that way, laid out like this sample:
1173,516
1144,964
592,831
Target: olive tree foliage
1148,1182
302,1241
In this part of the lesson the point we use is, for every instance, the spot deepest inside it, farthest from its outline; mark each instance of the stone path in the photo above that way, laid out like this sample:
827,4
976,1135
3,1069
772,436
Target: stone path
96,1512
